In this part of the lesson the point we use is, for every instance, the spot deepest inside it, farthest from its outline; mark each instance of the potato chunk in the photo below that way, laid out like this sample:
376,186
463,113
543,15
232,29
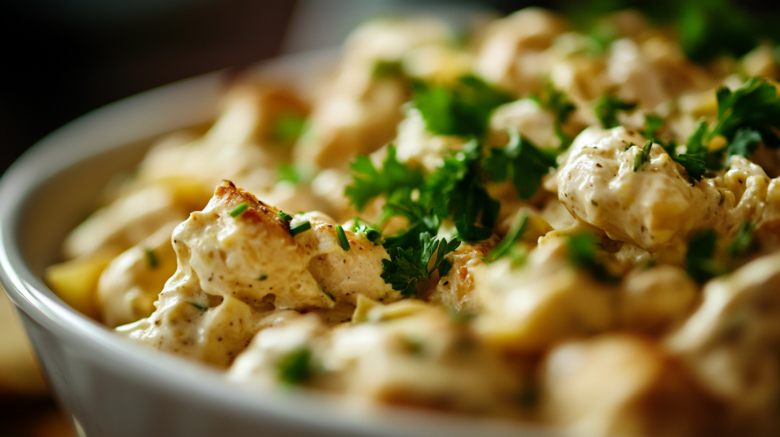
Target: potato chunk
622,385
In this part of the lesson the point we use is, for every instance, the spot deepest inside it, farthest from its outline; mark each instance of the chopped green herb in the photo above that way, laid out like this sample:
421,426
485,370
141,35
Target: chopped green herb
456,189
369,182
742,241
151,258
238,210
300,227
653,123
745,142
202,308
413,345
388,70
364,228
607,108
342,237
289,173
521,162
710,28
296,367
284,216
416,263
262,277
515,232
288,127
556,102
462,108
582,253
330,296
700,262
643,155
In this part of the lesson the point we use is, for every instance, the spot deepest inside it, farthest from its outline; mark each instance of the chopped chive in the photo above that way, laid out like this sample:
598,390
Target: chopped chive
342,237
199,306
151,258
300,227
284,216
643,155
262,277
237,211
330,296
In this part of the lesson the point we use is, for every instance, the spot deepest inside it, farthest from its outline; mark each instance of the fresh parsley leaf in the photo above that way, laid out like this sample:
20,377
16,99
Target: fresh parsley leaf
699,260
369,182
296,367
521,162
607,108
411,265
556,102
693,163
462,108
745,142
642,156
582,253
288,127
514,234
753,106
742,241
456,189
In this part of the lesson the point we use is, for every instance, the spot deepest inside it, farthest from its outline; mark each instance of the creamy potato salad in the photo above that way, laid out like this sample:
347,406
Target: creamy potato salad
538,223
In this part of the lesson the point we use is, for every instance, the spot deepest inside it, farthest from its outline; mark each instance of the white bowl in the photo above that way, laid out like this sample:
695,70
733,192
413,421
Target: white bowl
113,387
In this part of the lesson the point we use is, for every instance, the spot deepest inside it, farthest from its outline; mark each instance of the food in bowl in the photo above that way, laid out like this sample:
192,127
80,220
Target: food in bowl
529,225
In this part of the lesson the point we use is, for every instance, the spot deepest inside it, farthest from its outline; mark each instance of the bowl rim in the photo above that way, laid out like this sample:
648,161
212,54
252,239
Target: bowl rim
61,150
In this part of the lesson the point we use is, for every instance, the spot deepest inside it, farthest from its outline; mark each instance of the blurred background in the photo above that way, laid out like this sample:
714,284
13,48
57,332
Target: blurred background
65,58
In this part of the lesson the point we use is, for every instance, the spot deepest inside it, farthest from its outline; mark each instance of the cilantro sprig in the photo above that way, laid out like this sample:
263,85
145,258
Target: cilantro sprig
521,162
556,102
411,265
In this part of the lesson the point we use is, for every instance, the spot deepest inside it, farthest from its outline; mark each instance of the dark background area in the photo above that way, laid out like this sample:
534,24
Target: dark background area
62,59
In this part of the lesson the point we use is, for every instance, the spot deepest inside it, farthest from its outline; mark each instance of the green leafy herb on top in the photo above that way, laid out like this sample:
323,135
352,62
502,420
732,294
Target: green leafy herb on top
642,156
296,367
514,234
369,182
284,216
521,162
556,102
607,108
742,241
456,190
710,28
747,117
462,108
700,260
582,249
413,264
288,127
